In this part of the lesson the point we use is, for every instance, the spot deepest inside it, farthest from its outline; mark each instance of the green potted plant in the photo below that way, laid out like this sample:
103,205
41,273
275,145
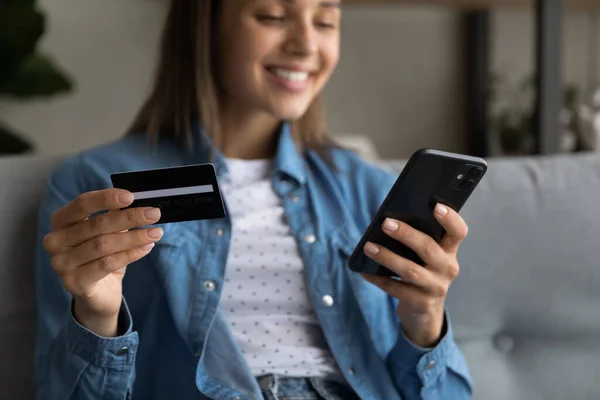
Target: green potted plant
25,73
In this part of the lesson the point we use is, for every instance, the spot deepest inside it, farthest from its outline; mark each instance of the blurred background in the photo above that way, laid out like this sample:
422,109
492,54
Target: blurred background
513,80
458,75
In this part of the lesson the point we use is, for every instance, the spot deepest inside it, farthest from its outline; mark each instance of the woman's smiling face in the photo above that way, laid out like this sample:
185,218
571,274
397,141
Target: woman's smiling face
277,55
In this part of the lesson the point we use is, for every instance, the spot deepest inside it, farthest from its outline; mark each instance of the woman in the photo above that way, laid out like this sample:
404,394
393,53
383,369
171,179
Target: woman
259,304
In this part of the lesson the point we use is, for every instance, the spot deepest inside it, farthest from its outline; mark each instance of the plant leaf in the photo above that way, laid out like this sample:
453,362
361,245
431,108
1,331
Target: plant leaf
28,3
10,143
37,76
21,26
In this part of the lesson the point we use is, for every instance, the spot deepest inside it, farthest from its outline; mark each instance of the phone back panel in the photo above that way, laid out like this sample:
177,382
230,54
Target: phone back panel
429,177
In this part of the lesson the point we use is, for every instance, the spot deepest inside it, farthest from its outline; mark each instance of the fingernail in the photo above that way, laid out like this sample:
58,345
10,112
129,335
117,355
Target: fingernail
441,210
371,249
152,214
155,233
126,198
390,225
148,247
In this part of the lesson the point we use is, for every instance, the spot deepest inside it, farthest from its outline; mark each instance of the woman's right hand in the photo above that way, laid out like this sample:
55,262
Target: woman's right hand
90,254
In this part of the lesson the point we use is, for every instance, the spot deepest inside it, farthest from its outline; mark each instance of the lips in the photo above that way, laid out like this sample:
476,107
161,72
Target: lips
290,75
293,79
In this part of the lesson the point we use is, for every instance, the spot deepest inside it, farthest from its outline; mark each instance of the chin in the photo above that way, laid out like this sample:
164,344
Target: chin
289,112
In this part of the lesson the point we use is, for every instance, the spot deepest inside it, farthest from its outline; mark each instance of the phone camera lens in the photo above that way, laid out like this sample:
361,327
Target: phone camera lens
476,172
467,184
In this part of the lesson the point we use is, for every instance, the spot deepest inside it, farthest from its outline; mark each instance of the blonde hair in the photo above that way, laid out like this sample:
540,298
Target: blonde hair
185,85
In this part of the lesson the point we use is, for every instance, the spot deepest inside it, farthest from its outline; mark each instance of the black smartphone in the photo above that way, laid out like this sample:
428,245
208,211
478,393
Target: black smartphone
429,177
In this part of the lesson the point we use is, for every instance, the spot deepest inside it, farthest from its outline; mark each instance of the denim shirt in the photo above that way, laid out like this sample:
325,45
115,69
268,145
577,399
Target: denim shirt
175,343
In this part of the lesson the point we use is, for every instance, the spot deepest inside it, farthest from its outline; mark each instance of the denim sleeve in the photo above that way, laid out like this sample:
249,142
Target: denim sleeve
418,373
70,361
437,373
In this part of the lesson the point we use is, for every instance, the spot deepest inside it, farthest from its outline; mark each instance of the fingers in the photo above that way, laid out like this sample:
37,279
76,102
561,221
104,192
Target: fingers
410,272
455,226
428,249
388,285
112,222
82,282
104,246
410,296
90,203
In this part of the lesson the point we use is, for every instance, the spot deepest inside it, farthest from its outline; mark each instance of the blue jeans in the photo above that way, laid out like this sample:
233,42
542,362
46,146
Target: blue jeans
275,387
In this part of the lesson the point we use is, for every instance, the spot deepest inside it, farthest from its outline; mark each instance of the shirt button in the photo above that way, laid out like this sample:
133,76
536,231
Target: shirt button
327,300
294,198
210,286
351,371
310,238
431,365
123,351
237,398
220,232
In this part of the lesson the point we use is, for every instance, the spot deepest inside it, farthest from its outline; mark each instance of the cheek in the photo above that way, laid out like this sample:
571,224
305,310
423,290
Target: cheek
244,60
237,68
330,56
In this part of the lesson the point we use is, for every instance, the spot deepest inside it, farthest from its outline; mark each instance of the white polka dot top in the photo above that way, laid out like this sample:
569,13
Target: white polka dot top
264,297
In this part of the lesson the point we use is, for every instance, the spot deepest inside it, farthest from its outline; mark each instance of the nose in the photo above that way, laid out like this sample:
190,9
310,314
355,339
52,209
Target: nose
302,39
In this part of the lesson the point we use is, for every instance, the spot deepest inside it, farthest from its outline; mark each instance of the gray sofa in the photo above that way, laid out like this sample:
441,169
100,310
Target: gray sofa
526,308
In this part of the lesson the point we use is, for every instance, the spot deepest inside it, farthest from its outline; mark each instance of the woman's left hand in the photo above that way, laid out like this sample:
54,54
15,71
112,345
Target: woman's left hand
422,291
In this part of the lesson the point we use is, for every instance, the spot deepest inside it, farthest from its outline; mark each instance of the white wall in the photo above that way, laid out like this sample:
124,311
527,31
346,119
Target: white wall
400,79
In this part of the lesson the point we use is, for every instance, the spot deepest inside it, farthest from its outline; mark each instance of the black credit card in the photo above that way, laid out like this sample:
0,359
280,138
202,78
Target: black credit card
185,193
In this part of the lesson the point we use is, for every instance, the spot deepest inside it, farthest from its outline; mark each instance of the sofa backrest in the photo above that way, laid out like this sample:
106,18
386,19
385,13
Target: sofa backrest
525,309
22,181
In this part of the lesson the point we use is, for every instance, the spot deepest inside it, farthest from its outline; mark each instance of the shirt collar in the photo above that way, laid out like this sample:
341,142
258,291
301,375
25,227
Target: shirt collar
288,160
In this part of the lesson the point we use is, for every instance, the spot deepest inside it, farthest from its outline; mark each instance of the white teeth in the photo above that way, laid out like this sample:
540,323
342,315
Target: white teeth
292,76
